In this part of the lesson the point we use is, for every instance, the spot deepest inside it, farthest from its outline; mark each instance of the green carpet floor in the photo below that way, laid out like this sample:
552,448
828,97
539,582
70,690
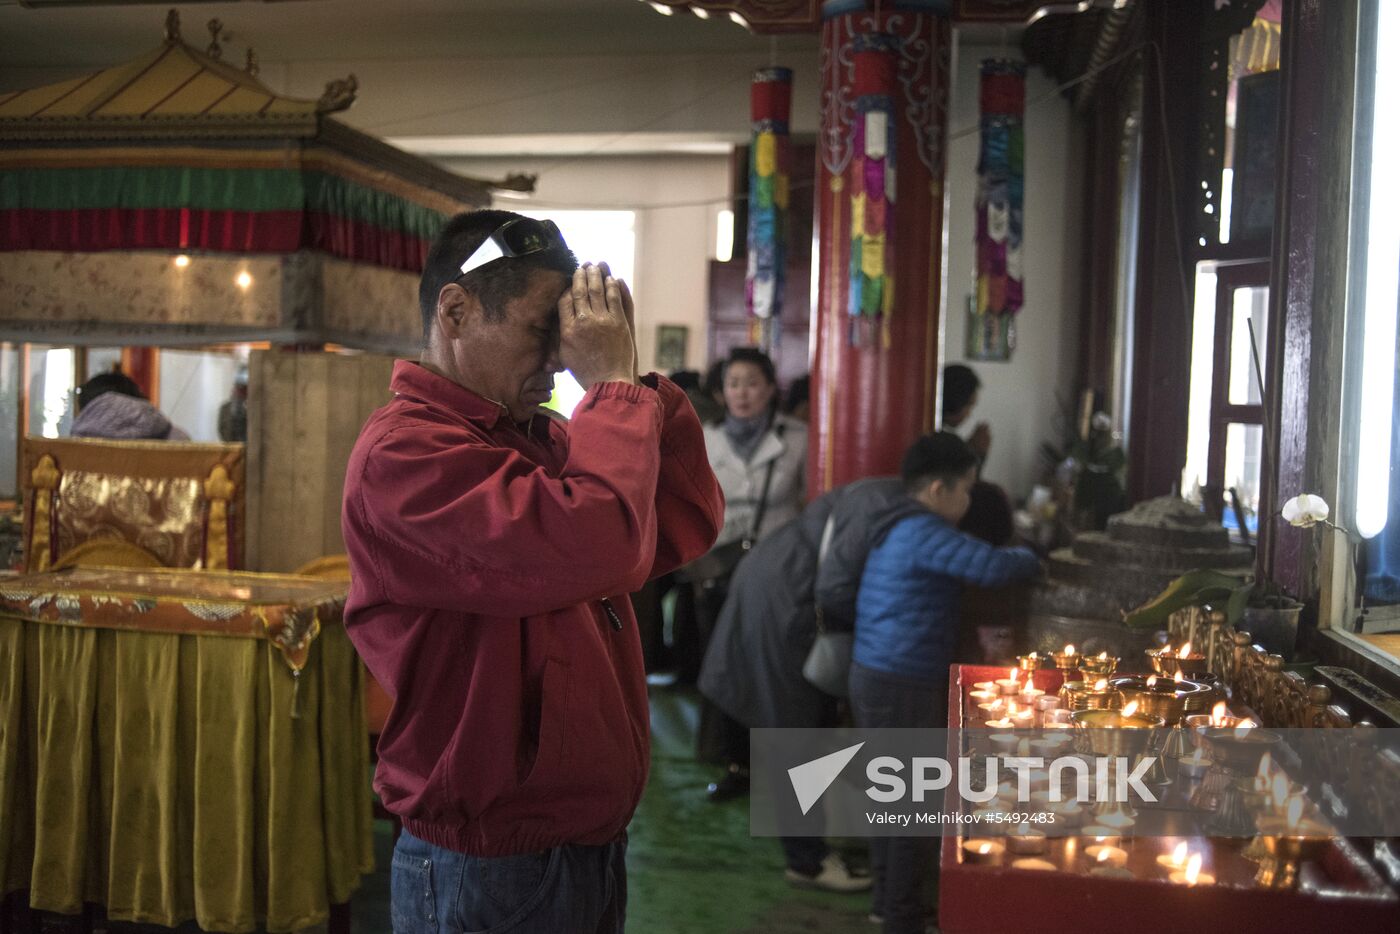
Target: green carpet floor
692,867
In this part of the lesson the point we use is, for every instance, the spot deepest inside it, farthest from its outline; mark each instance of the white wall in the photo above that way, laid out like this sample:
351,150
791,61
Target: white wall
1020,399
673,243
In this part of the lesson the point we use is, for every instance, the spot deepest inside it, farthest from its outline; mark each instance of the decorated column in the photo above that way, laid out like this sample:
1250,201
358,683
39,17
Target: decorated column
770,169
884,99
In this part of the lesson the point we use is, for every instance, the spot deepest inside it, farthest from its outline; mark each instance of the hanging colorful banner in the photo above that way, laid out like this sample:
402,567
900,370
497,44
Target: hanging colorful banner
1000,199
872,186
770,169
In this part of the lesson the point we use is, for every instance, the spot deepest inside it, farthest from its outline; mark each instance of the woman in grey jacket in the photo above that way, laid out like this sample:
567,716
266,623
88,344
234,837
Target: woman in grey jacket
759,457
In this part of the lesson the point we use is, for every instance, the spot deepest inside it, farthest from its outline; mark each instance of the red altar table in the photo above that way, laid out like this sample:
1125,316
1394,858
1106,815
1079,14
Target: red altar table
1340,892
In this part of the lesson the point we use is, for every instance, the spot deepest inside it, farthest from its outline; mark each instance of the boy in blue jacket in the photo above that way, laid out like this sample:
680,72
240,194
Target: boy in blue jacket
907,633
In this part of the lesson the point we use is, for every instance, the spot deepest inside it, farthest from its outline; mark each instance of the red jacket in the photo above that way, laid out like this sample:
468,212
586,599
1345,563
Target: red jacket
490,567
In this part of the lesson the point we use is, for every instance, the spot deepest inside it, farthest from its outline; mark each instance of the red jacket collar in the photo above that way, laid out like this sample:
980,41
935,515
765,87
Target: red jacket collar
418,382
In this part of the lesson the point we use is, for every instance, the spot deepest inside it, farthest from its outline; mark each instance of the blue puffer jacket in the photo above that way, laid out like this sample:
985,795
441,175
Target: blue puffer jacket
907,609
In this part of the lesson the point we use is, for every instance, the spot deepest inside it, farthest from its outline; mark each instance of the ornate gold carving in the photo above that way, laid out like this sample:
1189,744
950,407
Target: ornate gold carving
339,95
218,489
44,478
215,51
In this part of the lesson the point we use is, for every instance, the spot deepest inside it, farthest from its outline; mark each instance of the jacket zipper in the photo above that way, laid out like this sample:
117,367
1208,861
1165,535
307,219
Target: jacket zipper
612,614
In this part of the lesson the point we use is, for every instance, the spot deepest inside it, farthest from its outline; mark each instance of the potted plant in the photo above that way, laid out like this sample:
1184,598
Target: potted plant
1259,607
1091,464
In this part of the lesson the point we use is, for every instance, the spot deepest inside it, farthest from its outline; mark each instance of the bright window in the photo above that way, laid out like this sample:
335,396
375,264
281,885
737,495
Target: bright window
594,236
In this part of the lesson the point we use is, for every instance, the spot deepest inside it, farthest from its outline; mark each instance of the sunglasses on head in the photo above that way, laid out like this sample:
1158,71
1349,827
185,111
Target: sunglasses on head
518,237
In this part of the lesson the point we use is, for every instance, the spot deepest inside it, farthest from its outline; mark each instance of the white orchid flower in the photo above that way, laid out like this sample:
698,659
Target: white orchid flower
1306,510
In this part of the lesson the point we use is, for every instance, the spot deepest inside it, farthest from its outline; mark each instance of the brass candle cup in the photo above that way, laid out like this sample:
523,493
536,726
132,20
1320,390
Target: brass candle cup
1167,663
1238,750
1095,667
1163,699
1029,662
1066,663
1288,846
1235,754
1110,733
1080,695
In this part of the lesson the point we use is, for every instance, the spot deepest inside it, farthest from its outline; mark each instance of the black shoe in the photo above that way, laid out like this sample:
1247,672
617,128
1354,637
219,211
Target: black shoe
733,784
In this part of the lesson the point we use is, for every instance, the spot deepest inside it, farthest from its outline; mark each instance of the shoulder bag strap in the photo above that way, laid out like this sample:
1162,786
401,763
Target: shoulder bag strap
763,497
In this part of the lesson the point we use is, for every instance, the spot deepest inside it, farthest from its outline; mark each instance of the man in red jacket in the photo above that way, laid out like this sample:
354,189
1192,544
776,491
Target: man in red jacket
492,548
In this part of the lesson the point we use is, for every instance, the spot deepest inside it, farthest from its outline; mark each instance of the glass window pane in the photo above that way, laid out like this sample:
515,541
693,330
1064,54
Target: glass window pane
9,420
103,360
1249,305
51,371
1244,448
1202,369
193,385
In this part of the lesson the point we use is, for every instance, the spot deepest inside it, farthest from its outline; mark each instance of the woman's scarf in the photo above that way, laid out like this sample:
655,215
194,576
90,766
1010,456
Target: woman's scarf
745,434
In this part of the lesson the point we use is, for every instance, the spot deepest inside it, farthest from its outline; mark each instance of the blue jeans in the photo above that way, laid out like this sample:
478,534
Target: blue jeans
566,890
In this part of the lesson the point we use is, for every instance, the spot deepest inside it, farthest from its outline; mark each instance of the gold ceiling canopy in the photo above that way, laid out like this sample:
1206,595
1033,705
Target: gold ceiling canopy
174,82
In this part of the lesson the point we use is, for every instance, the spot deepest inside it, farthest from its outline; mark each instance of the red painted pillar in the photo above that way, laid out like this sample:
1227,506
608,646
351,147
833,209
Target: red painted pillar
875,385
142,364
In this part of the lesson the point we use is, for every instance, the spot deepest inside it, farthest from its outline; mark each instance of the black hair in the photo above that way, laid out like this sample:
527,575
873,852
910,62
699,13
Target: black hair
938,456
713,384
494,284
103,383
758,358
798,392
755,356
960,384
687,380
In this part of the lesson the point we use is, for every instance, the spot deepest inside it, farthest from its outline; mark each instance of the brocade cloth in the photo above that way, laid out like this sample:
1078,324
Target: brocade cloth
153,765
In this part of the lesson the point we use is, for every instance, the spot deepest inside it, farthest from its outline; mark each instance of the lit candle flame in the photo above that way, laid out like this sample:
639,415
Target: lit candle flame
1103,656
1069,650
984,849
1295,810
1151,680
1178,677
1101,685
1179,855
1130,709
1185,651
1103,854
1266,765
1193,869
1035,655
1217,713
1280,789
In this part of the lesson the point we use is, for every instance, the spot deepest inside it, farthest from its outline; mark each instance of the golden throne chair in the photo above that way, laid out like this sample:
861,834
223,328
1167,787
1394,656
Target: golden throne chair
181,503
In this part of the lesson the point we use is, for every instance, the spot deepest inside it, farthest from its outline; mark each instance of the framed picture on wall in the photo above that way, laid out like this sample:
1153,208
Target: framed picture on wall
670,347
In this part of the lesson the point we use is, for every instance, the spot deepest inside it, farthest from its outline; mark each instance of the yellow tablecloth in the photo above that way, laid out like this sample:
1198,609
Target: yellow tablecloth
163,776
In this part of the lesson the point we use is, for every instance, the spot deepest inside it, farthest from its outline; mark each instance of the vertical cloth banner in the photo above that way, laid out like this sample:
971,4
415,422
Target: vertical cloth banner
770,172
872,185
1000,290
